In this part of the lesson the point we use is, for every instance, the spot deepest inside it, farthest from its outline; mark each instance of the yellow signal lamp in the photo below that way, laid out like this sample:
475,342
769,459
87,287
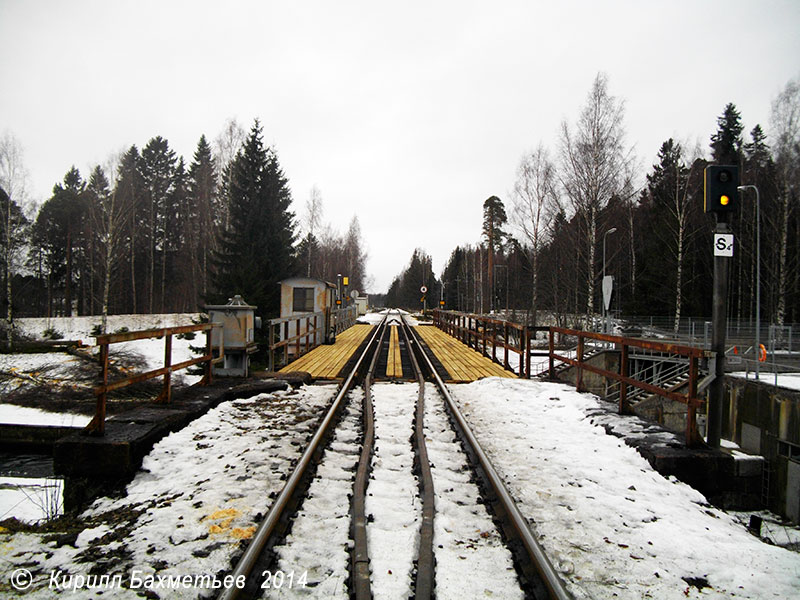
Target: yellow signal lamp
724,200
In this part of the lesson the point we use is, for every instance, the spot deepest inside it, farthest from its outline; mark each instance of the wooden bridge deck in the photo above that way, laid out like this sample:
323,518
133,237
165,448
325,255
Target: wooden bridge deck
325,362
462,363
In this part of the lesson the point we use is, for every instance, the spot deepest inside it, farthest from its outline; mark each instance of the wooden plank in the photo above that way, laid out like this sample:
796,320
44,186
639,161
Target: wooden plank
394,365
327,360
463,363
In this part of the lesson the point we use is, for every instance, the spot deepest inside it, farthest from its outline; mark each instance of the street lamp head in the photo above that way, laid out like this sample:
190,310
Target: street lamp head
612,230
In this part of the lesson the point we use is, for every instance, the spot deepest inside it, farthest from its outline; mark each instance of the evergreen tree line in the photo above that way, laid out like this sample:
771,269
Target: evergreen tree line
147,234
577,210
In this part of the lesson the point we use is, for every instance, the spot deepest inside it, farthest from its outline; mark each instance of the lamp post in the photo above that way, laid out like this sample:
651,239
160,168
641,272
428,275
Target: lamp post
742,188
612,230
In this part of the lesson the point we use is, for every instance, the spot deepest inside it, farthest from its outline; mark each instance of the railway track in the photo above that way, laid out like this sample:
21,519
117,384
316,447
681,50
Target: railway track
419,506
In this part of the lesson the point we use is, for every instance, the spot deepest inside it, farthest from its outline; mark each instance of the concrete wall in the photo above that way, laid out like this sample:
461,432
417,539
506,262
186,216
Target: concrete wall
765,420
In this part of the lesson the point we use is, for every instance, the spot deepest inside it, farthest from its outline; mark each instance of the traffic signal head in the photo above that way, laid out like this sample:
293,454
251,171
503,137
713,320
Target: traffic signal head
721,194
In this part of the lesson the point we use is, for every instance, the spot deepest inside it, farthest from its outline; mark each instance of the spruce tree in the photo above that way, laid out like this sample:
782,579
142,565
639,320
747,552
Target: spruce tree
726,144
205,213
158,169
256,250
494,217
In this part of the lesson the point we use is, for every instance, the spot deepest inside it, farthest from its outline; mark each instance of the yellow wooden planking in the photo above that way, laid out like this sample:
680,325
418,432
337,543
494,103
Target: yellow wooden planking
394,364
462,363
325,362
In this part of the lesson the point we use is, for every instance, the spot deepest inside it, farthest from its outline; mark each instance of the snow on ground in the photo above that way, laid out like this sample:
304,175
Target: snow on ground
392,494
612,525
80,328
22,499
471,557
790,381
23,415
316,550
49,368
199,493
374,318
31,499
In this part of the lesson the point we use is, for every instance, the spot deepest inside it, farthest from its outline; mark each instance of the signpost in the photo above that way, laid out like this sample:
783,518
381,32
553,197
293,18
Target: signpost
608,291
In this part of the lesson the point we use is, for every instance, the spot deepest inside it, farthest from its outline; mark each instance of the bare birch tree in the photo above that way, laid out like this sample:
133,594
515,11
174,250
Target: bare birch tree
594,163
312,222
535,203
785,120
12,183
110,216
226,145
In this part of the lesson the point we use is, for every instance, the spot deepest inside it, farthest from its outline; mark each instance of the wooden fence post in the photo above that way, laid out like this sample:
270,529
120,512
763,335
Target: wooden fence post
623,387
166,391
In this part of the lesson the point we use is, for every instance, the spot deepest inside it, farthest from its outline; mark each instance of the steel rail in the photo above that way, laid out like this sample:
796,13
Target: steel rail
359,572
249,558
550,579
425,581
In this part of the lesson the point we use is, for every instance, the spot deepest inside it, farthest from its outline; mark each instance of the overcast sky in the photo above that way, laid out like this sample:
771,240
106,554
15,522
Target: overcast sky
408,114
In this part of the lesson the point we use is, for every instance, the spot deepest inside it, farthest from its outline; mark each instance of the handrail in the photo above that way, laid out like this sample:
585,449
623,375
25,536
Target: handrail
97,425
320,327
690,398
482,333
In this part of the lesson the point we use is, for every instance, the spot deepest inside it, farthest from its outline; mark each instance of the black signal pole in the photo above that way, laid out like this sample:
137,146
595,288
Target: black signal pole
721,196
719,321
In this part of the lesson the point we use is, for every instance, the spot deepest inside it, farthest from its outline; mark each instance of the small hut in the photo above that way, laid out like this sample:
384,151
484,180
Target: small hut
307,295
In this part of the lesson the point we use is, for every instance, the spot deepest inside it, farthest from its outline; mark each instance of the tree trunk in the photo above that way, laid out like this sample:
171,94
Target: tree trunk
591,261
780,316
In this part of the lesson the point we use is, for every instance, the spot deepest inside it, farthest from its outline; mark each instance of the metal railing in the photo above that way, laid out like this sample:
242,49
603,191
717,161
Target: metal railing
486,335
299,334
97,425
623,344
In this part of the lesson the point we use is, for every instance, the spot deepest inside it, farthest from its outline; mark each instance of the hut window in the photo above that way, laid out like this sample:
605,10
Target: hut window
303,300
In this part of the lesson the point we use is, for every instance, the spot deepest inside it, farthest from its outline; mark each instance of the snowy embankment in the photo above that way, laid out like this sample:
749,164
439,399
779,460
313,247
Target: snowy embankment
199,493
610,524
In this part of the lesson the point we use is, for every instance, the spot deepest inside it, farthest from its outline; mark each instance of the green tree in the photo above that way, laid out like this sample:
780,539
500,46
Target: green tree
257,250
673,208
158,172
494,217
129,194
59,235
205,214
726,143
405,289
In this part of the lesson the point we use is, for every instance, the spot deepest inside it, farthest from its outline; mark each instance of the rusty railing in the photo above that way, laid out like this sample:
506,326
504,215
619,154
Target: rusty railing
309,331
623,344
97,425
486,335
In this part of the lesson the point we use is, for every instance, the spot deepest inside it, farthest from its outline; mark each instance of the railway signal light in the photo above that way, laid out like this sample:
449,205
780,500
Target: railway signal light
721,193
